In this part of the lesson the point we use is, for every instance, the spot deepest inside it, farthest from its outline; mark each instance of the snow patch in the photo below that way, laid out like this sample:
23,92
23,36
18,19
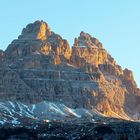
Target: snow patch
56,108
14,121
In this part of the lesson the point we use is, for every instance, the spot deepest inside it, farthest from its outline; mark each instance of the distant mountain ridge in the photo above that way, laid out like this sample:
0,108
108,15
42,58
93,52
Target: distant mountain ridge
40,65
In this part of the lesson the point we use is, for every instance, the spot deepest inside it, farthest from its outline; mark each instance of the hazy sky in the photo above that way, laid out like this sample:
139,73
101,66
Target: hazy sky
116,23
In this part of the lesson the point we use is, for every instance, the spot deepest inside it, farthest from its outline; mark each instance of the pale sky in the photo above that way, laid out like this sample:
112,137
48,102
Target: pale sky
116,23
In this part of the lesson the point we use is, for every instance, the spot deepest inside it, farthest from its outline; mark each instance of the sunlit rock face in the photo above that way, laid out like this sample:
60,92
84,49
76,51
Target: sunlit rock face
88,50
36,30
40,65
37,38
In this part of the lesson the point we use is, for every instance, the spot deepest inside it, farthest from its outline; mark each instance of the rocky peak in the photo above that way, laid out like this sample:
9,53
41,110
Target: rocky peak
37,30
128,79
37,39
89,50
44,67
87,40
128,74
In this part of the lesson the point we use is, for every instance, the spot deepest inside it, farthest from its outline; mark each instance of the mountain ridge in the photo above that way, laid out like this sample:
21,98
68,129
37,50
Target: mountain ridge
41,65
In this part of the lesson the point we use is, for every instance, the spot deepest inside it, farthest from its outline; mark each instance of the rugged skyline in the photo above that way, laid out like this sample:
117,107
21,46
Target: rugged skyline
50,90
40,66
117,29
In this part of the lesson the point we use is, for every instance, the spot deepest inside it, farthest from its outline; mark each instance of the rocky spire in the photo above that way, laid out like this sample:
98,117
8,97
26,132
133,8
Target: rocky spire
88,49
37,38
87,40
36,30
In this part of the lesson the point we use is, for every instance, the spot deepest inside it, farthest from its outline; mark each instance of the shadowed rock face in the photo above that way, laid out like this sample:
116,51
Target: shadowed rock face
40,65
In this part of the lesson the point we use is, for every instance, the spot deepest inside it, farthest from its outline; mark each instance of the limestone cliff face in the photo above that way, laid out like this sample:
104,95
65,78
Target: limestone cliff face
88,50
89,54
40,65
37,30
37,38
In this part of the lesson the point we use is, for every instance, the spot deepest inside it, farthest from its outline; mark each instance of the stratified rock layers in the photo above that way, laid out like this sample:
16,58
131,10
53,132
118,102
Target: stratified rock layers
40,65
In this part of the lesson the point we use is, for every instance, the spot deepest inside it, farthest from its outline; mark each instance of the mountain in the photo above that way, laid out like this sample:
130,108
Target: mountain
41,66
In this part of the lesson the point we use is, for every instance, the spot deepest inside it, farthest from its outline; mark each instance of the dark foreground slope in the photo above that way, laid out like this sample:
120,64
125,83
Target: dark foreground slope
70,131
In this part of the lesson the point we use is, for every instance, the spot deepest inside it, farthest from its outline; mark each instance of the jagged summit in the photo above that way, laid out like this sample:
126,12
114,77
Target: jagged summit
36,30
88,50
86,40
40,65
37,38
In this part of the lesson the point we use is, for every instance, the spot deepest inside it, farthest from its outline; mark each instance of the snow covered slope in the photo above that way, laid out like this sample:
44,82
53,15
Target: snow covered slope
16,113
